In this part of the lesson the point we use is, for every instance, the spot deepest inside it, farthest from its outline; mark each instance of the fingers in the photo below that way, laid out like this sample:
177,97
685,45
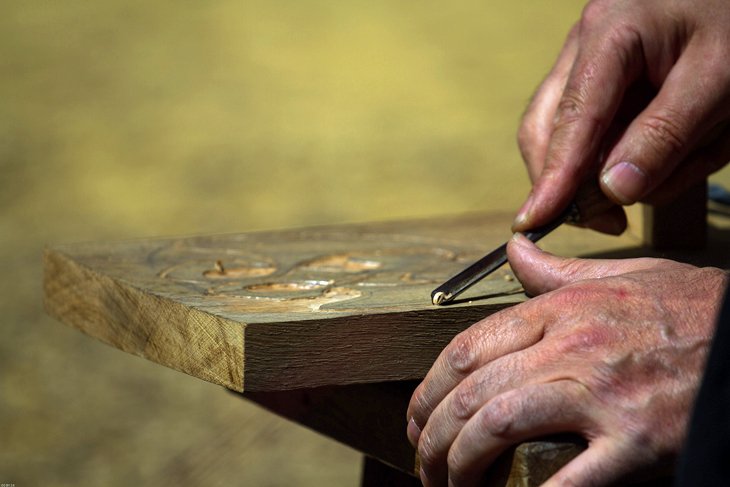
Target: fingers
537,122
541,272
458,407
515,416
691,102
498,335
604,67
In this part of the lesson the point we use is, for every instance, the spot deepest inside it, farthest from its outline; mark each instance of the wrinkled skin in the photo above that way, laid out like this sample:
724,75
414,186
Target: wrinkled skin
640,96
612,350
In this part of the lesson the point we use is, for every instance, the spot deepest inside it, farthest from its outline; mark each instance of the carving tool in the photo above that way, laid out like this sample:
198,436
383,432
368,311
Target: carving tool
589,202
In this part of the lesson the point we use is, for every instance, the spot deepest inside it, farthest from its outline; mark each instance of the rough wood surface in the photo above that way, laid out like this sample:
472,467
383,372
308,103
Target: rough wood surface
371,419
290,309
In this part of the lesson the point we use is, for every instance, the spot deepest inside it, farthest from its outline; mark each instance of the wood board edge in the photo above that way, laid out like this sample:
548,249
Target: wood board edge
356,349
152,327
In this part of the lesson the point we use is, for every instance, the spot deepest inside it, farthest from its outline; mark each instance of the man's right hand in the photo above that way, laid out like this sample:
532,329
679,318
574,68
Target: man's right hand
640,96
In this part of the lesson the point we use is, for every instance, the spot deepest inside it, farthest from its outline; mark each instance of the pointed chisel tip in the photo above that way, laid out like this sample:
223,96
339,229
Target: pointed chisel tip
438,298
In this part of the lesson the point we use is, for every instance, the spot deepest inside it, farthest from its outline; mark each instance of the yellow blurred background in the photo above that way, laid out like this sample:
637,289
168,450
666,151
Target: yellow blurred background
126,119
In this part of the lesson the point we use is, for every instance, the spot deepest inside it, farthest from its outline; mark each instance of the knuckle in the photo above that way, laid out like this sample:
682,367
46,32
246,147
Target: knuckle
573,111
570,109
499,415
613,22
582,341
625,44
664,132
462,402
574,296
571,267
594,14
461,354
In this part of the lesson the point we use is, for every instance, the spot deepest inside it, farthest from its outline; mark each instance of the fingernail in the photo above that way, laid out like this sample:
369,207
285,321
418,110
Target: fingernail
524,212
626,181
518,238
413,432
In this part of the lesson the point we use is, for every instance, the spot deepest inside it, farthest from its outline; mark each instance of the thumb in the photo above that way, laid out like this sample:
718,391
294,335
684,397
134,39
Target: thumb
541,272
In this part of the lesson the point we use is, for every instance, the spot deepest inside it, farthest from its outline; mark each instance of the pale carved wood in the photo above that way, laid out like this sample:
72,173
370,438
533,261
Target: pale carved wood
311,322
290,309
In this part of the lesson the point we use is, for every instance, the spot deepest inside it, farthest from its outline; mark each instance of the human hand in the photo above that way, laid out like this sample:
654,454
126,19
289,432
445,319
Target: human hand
640,95
612,350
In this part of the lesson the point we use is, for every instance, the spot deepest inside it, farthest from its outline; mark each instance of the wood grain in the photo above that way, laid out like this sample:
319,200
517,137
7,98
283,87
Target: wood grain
290,309
371,419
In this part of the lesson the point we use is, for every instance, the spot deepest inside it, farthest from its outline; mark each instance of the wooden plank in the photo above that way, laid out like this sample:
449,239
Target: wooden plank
290,309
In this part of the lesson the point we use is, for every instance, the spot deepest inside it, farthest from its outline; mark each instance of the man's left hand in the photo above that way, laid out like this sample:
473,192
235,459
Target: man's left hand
611,349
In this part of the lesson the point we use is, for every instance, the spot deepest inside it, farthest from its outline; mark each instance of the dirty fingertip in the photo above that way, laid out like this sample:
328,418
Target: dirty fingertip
517,245
524,214
413,432
520,254
520,239
524,243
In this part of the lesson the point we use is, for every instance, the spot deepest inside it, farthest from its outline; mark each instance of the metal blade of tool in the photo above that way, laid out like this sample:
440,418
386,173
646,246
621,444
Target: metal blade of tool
491,262
589,202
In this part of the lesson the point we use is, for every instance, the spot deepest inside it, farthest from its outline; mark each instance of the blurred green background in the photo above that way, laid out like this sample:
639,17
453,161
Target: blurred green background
125,119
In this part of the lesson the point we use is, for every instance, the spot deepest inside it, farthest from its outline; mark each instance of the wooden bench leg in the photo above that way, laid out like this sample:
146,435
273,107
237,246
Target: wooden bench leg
377,474
679,225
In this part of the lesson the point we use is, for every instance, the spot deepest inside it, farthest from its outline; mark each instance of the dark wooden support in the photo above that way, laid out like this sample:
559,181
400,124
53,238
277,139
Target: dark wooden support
377,474
368,417
680,224
372,419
